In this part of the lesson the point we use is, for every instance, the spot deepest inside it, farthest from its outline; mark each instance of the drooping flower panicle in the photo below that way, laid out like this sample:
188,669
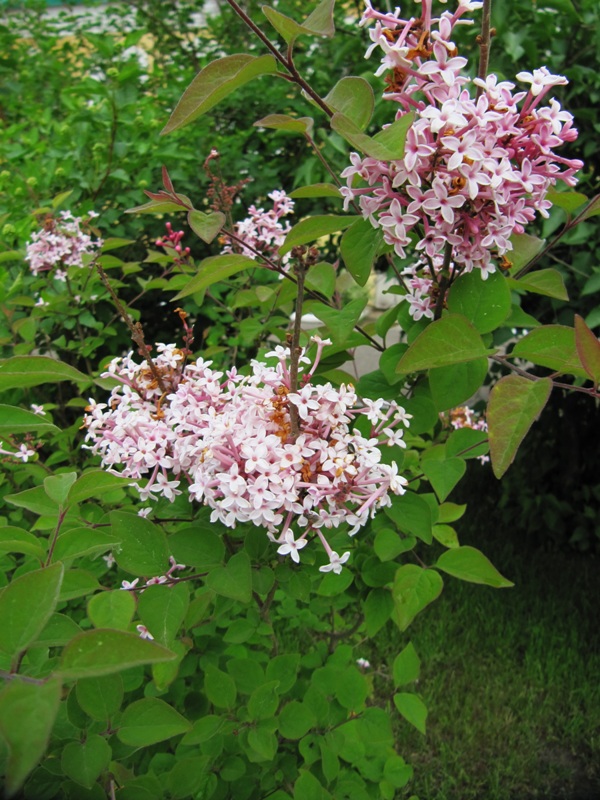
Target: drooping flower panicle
60,244
226,440
479,158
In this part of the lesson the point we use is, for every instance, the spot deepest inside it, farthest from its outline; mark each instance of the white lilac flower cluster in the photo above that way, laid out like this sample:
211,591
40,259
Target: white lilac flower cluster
61,243
262,230
226,440
479,160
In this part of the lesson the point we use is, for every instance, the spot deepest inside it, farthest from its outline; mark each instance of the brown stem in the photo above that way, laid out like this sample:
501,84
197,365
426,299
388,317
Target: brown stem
444,282
295,349
484,44
61,517
135,328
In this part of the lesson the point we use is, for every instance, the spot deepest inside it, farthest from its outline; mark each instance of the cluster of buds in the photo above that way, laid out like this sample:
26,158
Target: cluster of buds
261,232
479,159
171,243
60,244
226,439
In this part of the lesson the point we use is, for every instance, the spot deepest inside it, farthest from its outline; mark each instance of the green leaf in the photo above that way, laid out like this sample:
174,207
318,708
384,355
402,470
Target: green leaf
412,708
214,269
316,190
377,609
525,248
283,669
321,278
102,652
319,23
263,701
351,689
359,246
445,535
451,512
454,385
203,730
307,787
79,542
18,420
156,207
284,122
407,666
35,706
16,540
467,443
591,210
26,605
162,609
234,580
548,282
112,609
143,548
263,741
469,564
514,405
387,145
353,97
35,500
449,340
59,630
340,322
217,80
77,583
444,475
411,514
313,228
149,721
84,761
588,349
397,772
94,483
295,720
551,346
20,372
486,304
219,687
100,697
198,547
206,226
388,544
413,590
57,486
568,201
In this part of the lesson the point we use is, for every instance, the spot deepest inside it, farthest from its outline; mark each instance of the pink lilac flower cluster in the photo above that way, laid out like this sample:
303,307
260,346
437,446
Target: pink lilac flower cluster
479,159
262,230
61,243
226,439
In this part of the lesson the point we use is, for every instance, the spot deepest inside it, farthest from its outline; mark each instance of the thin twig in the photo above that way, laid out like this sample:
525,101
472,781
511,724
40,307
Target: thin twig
484,40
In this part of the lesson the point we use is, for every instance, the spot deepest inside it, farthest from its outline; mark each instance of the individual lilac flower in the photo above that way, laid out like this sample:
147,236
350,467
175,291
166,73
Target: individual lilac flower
144,632
335,562
128,585
291,546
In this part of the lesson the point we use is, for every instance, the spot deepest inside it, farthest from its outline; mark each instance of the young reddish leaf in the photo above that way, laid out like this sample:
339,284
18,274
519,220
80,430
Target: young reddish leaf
551,346
358,247
515,403
469,564
206,226
588,349
450,340
353,97
213,269
548,282
283,122
34,706
26,605
217,80
313,228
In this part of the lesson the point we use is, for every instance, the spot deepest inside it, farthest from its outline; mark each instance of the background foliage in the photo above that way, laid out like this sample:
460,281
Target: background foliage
252,719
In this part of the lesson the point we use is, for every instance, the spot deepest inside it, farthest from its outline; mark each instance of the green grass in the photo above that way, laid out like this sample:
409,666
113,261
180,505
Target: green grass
511,681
